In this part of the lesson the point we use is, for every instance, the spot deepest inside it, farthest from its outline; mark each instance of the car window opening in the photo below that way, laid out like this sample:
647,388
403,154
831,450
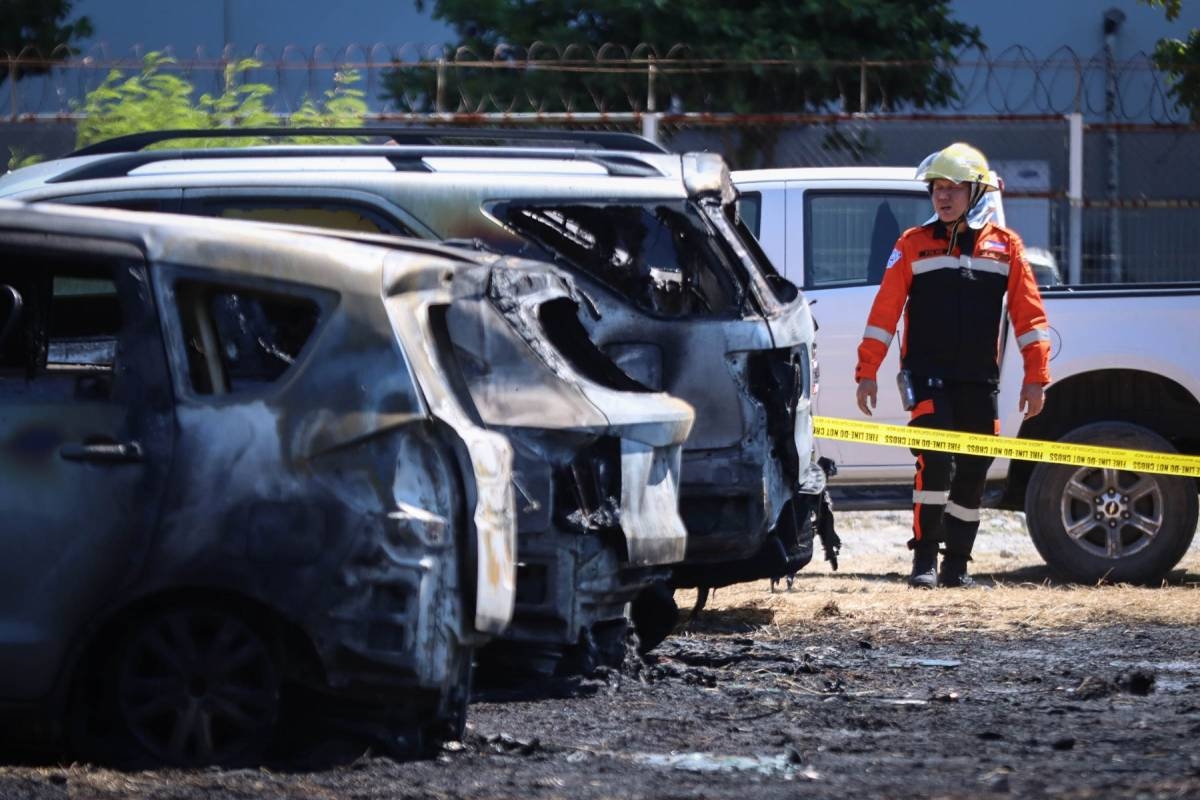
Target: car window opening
70,320
238,339
326,216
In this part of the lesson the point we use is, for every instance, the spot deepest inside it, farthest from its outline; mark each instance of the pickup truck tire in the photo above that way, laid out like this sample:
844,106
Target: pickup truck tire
1098,524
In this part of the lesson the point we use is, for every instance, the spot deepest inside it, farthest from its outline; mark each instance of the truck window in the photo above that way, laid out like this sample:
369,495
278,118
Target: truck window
849,235
749,208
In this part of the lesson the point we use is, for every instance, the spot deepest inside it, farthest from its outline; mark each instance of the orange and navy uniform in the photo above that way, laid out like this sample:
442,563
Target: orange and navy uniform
952,305
952,299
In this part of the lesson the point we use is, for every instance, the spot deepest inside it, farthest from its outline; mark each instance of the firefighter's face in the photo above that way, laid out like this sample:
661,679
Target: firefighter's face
950,199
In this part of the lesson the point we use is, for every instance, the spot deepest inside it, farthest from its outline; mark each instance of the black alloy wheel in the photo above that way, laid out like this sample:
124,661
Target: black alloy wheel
197,685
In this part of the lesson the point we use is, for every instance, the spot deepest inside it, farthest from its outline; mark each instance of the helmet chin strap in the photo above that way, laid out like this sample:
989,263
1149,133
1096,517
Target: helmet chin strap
977,192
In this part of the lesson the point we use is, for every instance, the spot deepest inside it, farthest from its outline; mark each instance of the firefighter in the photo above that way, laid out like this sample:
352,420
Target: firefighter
949,279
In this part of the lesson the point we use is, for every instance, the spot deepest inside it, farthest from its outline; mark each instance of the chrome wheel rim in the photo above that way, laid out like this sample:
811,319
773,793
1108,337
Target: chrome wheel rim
1111,513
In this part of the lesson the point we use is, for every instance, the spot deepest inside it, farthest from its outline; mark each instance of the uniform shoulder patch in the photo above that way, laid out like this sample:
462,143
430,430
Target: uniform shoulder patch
893,258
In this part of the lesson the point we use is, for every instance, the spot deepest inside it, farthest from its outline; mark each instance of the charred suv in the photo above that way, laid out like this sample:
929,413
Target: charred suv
678,293
229,480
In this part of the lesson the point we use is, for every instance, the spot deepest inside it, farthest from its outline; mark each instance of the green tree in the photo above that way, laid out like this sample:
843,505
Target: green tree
38,28
1180,60
159,99
760,56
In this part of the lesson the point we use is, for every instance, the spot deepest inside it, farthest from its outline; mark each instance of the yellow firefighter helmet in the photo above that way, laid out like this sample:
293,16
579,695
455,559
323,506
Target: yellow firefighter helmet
960,163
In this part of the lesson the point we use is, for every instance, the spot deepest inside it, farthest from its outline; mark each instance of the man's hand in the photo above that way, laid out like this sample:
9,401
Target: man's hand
866,395
1033,398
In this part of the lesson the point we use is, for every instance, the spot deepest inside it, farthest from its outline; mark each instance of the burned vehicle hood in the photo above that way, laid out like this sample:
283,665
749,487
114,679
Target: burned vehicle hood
526,367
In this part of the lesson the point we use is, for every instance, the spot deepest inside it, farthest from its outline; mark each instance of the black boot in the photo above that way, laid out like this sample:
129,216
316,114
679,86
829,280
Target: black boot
954,572
960,539
924,564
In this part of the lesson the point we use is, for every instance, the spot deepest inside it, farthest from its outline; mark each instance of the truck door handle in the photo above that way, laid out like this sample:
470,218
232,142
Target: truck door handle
104,452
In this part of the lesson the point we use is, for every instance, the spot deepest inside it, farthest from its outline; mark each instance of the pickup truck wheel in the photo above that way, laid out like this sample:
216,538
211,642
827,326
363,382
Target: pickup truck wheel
1099,524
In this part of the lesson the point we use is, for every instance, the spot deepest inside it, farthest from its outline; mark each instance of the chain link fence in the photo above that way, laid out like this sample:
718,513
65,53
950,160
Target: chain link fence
1137,216
542,78
1139,208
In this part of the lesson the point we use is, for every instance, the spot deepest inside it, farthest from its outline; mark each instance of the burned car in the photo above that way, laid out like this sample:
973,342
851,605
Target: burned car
680,296
596,457
231,481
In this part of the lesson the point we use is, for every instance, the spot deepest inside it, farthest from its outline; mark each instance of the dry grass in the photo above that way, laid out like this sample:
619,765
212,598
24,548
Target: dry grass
868,594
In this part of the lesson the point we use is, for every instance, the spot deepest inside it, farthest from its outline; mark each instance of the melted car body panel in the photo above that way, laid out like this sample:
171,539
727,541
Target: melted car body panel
590,460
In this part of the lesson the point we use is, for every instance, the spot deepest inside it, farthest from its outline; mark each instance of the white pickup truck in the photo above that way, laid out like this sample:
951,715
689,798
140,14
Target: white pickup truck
1125,363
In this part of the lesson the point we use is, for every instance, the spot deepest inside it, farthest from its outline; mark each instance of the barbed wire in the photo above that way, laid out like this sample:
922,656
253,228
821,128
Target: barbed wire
544,78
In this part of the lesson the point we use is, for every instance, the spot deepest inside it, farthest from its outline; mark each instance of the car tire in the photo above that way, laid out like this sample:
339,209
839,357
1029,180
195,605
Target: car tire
655,615
1098,524
453,723
192,685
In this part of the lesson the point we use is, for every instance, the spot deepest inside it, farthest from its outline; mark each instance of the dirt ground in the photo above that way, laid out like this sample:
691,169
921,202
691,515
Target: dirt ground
847,685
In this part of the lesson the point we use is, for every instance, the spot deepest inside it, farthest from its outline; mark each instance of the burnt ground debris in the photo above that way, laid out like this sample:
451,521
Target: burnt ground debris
736,706
848,686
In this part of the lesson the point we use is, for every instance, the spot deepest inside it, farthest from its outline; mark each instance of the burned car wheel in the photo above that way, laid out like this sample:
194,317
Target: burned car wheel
655,614
196,685
1092,523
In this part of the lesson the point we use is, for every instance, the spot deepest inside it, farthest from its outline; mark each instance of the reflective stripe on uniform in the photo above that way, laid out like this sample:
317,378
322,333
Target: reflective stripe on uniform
873,332
961,512
930,498
925,265
922,265
1035,335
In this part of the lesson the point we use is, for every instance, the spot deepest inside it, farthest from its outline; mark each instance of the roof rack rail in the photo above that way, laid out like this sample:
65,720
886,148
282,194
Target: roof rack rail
596,140
404,158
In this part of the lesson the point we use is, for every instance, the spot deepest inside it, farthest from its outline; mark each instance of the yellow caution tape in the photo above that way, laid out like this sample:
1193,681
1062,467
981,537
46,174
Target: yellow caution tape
978,444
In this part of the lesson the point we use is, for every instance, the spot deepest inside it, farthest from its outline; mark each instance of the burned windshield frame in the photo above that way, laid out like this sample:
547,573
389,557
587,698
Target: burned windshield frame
783,289
671,269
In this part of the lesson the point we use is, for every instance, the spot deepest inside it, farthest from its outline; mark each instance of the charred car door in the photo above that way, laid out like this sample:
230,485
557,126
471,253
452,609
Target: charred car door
85,442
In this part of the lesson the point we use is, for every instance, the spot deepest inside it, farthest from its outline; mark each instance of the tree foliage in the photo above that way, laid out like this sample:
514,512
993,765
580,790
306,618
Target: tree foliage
158,98
1171,7
1180,60
759,56
39,28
